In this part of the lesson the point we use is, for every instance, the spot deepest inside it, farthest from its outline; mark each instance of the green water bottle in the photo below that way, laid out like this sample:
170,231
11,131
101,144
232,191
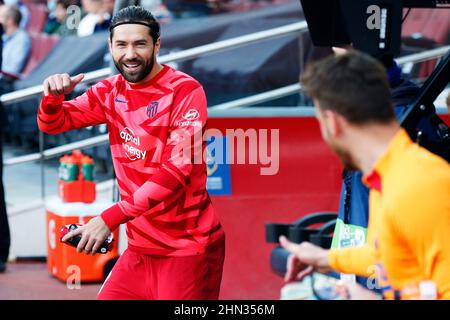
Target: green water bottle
72,169
68,169
87,167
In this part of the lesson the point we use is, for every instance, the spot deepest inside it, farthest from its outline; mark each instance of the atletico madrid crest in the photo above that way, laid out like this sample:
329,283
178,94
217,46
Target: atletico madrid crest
152,109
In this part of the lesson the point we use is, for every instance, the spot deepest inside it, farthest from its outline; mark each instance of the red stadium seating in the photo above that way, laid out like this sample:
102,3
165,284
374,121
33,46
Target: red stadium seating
438,26
430,24
416,21
40,47
44,2
425,29
38,17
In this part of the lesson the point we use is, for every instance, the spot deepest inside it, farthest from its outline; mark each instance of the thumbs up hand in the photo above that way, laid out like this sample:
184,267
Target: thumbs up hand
58,84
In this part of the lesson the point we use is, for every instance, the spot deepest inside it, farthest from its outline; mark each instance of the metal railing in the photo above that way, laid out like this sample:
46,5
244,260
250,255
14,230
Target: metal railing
247,101
295,88
57,151
259,98
192,53
97,75
423,56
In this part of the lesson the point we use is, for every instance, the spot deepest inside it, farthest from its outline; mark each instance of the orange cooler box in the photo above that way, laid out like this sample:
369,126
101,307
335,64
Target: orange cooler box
63,261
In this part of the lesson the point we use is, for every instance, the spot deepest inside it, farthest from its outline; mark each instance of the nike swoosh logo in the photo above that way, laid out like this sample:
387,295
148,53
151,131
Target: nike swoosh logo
118,100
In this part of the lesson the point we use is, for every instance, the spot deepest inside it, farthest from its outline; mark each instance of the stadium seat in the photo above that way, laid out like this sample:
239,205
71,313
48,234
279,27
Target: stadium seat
38,17
415,22
438,27
427,23
44,2
20,122
425,29
40,47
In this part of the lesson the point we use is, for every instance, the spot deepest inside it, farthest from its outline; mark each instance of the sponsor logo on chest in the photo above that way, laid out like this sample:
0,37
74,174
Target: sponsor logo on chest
131,144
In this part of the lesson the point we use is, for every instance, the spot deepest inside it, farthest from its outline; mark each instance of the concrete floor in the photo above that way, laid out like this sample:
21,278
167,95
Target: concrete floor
31,281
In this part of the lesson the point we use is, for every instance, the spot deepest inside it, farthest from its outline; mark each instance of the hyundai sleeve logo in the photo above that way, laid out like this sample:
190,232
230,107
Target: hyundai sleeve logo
191,115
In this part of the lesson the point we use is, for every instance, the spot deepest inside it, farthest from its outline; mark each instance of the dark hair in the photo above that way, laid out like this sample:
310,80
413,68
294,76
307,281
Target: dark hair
354,84
67,3
14,13
136,14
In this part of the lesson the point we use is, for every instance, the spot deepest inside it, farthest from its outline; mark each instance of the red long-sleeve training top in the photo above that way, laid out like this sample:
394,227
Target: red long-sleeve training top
163,190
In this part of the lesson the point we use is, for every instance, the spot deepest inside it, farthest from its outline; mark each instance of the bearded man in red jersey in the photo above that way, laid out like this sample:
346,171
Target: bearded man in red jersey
176,244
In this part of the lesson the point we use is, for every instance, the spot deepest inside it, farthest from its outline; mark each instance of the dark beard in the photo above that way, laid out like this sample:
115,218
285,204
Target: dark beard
345,157
145,71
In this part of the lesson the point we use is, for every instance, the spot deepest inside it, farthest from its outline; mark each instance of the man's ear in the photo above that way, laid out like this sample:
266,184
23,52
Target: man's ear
157,46
334,121
110,45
